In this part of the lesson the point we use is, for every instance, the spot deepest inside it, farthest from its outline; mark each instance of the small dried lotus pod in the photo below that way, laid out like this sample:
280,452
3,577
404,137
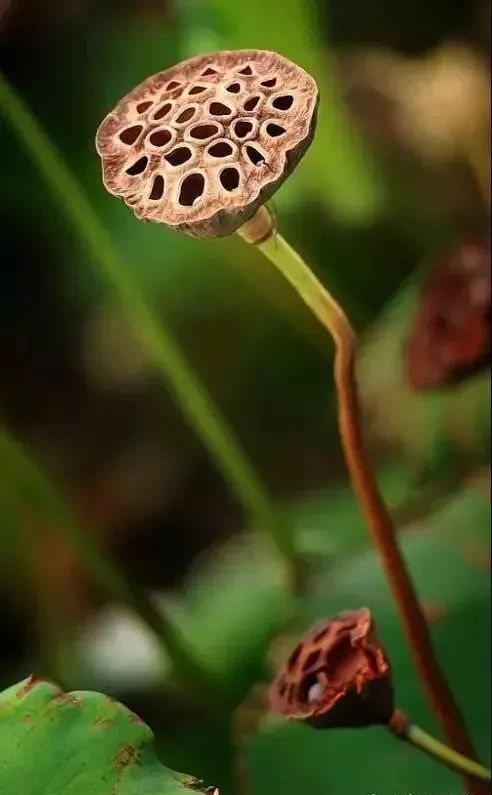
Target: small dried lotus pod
201,146
337,676
449,338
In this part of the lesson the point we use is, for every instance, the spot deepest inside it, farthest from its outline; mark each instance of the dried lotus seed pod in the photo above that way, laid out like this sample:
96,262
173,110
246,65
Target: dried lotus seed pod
337,675
200,146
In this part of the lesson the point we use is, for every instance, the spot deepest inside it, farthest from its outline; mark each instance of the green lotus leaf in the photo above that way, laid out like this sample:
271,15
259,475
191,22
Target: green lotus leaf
79,743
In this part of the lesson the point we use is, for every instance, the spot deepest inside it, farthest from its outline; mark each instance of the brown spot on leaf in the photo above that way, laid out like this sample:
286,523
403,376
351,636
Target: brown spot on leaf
29,684
197,785
68,698
103,723
127,755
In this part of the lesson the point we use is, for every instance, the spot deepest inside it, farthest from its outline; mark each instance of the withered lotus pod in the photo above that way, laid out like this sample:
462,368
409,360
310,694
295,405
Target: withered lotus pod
338,675
202,145
450,334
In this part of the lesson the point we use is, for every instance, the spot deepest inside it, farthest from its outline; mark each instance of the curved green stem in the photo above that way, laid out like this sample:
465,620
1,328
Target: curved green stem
443,753
405,730
192,397
36,489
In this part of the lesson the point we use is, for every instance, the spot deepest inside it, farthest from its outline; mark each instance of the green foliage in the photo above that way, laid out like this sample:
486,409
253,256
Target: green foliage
232,607
77,744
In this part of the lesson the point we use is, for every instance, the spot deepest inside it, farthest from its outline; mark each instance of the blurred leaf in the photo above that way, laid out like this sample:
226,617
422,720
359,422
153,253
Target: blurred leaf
330,522
294,759
80,743
234,604
233,601
231,606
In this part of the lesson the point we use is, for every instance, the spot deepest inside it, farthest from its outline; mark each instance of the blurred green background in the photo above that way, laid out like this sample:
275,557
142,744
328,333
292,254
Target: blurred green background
394,177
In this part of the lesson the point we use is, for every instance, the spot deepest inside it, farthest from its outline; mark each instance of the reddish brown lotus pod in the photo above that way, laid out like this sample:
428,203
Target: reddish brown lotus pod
450,333
200,146
337,676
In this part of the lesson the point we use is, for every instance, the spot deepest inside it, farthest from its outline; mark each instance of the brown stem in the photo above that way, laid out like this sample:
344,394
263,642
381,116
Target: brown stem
332,317
381,527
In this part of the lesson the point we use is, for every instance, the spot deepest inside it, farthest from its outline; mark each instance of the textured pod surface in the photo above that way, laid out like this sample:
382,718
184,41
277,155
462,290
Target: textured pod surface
200,146
449,338
337,675
78,743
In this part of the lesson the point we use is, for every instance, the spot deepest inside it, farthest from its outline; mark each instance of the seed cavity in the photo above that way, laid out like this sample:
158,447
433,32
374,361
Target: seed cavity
131,134
173,84
292,661
233,88
185,115
283,102
335,656
198,89
274,130
209,71
219,109
143,106
255,156
157,191
138,167
162,111
220,149
178,156
311,659
321,634
270,83
191,189
251,103
160,137
246,70
203,131
243,128
229,178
